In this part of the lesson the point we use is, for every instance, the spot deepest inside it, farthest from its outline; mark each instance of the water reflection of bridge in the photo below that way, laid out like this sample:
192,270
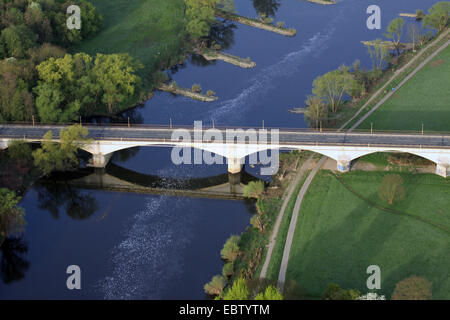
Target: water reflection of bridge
119,179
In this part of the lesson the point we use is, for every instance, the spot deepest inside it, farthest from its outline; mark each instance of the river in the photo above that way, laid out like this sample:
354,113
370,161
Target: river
136,246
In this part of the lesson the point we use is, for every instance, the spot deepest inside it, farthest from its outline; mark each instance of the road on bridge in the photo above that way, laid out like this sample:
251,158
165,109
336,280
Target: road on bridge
286,136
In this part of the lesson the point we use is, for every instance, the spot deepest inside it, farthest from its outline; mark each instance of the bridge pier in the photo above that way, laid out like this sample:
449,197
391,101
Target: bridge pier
344,165
4,144
235,165
99,160
443,169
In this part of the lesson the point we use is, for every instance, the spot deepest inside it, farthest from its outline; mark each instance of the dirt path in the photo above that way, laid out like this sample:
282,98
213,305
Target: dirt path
292,186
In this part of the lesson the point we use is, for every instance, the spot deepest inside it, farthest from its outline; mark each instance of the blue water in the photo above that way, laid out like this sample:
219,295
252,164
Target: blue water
159,247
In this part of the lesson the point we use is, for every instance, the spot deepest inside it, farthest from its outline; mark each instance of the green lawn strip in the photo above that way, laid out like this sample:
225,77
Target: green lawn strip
277,254
152,31
339,235
423,99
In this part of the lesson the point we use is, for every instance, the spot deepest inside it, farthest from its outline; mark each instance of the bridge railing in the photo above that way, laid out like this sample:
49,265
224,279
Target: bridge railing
281,145
207,126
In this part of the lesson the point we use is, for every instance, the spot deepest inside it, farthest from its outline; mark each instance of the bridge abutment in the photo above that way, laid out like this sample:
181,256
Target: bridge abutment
235,165
344,165
443,169
100,160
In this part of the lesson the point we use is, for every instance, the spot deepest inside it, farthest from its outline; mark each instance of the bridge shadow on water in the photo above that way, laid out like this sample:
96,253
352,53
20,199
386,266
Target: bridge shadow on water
119,179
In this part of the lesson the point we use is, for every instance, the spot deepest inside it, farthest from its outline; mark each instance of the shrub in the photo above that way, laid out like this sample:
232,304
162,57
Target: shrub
196,88
335,292
215,287
210,93
280,24
230,249
254,189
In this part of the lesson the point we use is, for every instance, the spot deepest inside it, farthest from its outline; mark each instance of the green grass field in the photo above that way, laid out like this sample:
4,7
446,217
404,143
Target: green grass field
339,235
150,30
423,99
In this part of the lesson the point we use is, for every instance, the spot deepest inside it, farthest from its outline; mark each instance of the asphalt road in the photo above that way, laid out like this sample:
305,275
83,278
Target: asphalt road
143,133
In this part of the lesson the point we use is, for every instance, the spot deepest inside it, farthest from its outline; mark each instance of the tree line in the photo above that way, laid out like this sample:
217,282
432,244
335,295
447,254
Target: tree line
40,81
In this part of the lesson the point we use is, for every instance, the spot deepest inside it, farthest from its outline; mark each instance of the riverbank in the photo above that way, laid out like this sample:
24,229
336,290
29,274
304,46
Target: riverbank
255,23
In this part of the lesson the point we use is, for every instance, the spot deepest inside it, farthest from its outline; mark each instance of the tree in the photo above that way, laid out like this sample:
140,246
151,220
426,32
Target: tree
391,188
254,189
11,216
395,32
16,99
230,250
412,288
316,110
115,74
239,291
438,16
63,156
335,292
378,52
200,15
226,5
17,40
271,293
20,151
215,286
332,86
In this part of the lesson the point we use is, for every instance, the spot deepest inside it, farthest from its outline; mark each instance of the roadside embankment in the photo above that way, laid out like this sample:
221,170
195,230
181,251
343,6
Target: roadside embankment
255,23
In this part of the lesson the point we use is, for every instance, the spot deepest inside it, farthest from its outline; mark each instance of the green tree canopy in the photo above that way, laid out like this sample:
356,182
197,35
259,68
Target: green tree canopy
239,291
335,292
200,14
254,189
78,84
16,41
332,86
62,156
271,293
438,16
